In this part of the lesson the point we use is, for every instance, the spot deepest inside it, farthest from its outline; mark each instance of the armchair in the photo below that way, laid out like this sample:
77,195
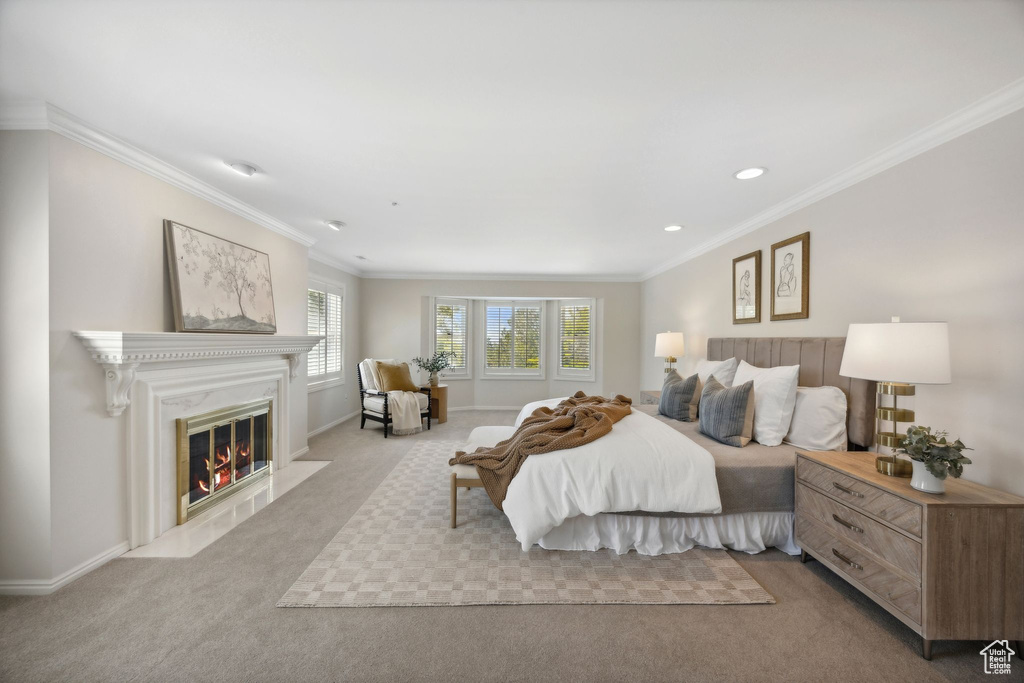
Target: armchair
373,403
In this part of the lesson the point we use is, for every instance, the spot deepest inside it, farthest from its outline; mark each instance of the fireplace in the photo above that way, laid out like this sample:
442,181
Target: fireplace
221,452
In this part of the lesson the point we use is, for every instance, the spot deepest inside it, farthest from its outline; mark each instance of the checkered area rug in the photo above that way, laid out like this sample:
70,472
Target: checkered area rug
398,550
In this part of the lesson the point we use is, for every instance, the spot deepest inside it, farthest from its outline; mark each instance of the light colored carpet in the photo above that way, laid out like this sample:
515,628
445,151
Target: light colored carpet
398,550
212,617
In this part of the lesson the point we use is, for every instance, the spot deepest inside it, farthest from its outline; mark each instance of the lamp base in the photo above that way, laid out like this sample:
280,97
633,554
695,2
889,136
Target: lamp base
892,466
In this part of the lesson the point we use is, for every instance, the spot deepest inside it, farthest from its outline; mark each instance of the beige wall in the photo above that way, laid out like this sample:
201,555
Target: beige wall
24,362
938,237
108,272
395,320
327,406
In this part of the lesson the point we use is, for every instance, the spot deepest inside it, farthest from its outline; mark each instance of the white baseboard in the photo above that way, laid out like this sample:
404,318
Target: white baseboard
299,453
320,430
484,408
44,587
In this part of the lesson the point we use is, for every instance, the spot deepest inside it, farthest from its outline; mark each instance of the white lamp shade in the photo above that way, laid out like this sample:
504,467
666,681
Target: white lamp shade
915,353
668,344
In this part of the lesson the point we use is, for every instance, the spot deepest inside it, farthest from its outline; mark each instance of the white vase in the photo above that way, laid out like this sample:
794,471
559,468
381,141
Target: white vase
433,379
923,480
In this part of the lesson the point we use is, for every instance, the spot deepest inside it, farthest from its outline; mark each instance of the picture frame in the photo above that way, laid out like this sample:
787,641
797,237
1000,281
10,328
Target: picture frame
218,285
746,288
791,278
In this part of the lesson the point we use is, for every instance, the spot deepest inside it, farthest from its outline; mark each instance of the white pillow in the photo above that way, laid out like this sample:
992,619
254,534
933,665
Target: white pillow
774,399
819,419
723,370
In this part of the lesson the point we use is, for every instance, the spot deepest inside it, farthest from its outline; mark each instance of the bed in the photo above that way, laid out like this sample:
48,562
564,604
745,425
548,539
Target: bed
755,483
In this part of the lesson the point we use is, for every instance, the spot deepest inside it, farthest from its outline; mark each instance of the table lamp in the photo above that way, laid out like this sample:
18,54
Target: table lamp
668,345
897,356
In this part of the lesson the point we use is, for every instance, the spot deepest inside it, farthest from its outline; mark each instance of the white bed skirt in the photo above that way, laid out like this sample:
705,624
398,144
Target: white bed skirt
750,532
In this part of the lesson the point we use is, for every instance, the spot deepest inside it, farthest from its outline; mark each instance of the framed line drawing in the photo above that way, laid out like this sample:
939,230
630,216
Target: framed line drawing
791,278
218,285
746,288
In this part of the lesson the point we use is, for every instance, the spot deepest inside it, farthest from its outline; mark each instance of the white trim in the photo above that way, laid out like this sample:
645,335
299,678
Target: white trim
320,385
330,425
989,108
45,116
44,587
537,277
323,258
299,453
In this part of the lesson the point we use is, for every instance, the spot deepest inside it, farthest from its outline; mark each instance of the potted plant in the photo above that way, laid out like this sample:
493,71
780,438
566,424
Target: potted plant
435,364
934,458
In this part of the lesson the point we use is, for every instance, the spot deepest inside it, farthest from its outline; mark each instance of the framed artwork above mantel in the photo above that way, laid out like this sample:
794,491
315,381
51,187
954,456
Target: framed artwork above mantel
218,285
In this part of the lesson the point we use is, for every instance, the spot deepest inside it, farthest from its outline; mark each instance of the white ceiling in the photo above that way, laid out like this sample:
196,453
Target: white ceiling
527,138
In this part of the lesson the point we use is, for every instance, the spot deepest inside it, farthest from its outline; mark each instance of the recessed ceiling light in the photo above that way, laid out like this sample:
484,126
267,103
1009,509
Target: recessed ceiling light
749,173
673,228
242,167
335,225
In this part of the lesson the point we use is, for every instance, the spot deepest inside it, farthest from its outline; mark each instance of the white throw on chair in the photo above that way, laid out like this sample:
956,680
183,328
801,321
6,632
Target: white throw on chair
374,403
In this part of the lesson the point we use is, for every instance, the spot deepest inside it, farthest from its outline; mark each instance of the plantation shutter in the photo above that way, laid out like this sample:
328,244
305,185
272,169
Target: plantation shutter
575,343
324,311
512,337
451,333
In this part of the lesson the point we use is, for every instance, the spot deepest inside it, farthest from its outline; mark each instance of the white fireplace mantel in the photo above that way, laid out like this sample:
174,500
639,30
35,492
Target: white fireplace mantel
122,353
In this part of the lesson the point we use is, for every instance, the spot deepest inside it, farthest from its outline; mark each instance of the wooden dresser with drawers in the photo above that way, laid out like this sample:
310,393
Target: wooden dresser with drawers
950,566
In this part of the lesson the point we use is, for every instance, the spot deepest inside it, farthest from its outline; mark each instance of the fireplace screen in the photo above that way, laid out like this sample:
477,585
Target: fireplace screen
220,452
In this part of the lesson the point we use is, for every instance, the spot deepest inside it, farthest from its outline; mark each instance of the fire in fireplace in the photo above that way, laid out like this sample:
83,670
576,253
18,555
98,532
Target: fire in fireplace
220,452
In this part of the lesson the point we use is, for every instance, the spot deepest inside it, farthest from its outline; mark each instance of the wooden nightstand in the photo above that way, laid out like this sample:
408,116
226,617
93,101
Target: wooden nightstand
650,397
438,402
949,566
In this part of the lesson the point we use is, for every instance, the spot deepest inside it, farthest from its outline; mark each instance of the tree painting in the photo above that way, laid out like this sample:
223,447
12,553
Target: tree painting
219,285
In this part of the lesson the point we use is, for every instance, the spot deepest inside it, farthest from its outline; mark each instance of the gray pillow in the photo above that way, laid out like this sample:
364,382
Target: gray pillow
727,415
680,397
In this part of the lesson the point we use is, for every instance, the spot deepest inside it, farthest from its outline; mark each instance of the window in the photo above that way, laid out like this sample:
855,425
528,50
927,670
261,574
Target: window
575,332
451,333
324,314
513,331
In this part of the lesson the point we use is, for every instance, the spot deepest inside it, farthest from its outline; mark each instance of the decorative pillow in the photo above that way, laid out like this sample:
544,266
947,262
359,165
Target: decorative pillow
680,397
395,377
375,373
723,370
727,415
774,398
819,419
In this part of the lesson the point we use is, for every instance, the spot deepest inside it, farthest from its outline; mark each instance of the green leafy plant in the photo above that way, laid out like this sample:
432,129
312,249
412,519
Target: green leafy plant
438,362
940,456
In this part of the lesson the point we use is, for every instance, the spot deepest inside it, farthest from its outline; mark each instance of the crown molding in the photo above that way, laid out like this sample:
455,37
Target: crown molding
986,110
323,258
45,116
498,276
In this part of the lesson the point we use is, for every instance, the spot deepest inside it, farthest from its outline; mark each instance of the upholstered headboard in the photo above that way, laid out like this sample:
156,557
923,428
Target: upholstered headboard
819,359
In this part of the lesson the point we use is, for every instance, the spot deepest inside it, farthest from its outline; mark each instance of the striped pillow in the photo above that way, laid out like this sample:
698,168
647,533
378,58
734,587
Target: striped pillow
727,415
680,397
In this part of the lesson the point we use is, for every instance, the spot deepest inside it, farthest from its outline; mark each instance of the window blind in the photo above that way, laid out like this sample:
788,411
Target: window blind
575,348
451,332
512,337
324,318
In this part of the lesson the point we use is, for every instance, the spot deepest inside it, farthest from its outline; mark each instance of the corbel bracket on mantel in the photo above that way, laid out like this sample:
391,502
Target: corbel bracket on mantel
120,354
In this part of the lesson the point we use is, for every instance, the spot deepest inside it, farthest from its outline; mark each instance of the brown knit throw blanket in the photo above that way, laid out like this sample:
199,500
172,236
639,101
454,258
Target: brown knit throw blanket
573,422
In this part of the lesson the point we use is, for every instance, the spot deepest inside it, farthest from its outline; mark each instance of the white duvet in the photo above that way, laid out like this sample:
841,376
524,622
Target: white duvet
641,465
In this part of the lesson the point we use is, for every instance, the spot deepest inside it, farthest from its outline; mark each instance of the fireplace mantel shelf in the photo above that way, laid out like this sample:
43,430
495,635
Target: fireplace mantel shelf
121,353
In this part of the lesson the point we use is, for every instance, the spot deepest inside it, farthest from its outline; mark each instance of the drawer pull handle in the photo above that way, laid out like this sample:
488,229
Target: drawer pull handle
846,490
845,559
851,527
